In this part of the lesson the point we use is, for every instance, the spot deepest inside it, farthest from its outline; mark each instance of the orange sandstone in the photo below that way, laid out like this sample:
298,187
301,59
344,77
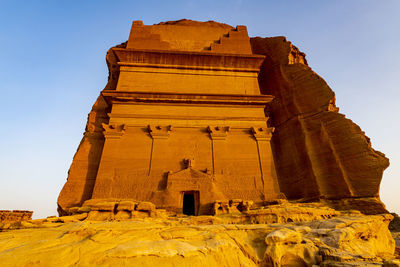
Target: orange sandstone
319,154
197,114
8,216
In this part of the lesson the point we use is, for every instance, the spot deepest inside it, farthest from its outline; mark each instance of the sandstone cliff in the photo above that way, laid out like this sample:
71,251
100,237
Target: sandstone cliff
319,154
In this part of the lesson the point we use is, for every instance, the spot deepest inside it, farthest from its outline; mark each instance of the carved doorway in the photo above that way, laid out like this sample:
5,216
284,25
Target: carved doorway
190,202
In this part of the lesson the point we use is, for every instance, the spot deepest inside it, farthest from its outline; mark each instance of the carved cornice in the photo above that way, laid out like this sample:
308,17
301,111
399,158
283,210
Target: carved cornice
113,131
186,117
159,132
262,133
218,132
113,96
179,59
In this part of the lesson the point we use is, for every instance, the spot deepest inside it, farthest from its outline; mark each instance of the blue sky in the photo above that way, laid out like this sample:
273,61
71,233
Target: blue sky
53,67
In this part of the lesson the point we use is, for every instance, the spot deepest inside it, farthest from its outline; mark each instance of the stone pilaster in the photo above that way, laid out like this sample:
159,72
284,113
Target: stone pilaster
157,133
263,135
218,136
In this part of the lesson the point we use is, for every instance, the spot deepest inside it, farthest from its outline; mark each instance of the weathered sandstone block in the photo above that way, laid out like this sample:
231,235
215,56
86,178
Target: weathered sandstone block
99,215
123,215
195,112
146,206
8,216
127,205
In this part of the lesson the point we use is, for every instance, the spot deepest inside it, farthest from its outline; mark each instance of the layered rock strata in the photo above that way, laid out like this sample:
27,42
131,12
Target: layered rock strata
347,239
8,216
319,154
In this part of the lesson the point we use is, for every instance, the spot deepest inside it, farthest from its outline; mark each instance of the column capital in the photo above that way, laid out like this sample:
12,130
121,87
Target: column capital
113,131
262,133
218,132
159,132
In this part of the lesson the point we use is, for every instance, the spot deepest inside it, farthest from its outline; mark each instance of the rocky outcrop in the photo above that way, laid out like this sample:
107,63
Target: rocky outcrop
394,228
117,210
344,240
318,154
316,148
395,223
8,216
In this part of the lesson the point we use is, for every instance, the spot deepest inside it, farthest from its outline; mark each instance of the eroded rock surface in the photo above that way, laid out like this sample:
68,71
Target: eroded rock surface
319,154
8,217
345,240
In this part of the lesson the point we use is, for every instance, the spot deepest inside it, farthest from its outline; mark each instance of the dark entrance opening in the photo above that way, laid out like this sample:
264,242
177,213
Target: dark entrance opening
189,203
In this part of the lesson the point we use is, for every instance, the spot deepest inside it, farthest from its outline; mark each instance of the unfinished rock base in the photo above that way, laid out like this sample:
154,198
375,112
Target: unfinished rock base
299,235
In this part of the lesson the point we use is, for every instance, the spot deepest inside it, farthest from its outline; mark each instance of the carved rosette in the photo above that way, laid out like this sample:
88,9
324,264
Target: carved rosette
159,132
262,133
218,132
113,131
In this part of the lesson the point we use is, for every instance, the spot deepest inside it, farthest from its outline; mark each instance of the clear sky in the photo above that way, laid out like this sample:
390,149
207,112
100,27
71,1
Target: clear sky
53,67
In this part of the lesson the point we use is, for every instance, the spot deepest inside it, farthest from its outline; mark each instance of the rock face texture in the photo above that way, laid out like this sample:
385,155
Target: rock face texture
197,114
83,170
344,240
8,216
318,153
